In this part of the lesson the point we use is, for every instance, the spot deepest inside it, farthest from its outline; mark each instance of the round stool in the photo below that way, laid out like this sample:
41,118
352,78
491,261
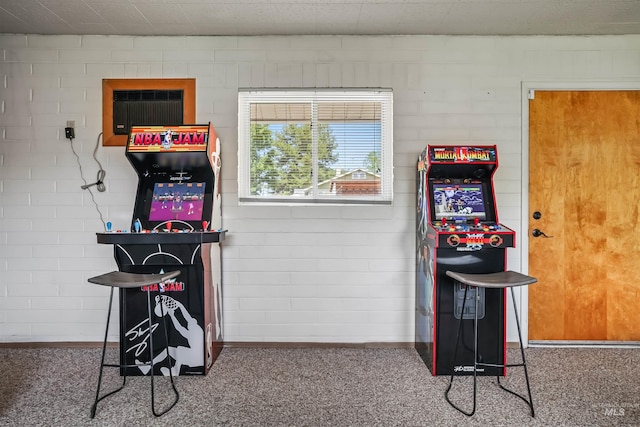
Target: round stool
503,279
123,280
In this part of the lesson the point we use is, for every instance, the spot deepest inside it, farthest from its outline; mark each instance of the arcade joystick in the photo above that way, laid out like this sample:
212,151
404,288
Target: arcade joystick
168,226
443,221
476,221
205,224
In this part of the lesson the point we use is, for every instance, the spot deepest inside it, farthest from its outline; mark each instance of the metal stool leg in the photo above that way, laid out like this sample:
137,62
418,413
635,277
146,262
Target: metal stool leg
102,364
475,350
168,358
523,364
455,355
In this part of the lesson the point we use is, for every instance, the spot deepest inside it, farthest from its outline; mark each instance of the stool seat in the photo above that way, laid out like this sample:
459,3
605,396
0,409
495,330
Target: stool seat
121,279
502,279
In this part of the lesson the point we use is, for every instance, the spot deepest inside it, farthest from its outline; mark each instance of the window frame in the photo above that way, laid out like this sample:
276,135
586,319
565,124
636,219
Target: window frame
246,97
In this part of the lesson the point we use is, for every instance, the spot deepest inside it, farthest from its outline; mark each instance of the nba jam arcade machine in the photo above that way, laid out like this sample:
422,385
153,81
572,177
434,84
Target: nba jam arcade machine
458,230
175,226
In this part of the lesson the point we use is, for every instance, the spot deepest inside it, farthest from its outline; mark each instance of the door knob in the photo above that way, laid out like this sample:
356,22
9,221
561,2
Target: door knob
537,233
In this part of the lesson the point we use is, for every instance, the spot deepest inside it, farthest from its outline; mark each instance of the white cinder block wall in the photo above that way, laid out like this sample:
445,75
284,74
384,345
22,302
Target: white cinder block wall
291,274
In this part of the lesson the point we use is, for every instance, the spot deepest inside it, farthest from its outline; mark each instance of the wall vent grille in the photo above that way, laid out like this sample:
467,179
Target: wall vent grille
146,108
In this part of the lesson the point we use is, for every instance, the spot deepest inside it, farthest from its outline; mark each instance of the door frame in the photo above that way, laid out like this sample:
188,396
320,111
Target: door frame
526,88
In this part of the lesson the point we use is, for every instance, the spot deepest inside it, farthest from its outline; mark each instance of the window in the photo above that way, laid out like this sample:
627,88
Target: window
359,175
315,146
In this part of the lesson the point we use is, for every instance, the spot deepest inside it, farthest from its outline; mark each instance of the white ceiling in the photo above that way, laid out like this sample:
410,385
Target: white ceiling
321,17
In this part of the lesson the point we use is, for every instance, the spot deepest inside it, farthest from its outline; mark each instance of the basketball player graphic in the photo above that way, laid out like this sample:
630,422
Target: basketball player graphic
192,355
168,139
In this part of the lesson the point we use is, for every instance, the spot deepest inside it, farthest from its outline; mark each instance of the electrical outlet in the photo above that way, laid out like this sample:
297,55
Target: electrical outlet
70,131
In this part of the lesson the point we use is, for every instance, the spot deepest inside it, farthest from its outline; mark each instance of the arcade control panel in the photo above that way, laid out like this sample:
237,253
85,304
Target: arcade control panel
469,236
476,225
167,234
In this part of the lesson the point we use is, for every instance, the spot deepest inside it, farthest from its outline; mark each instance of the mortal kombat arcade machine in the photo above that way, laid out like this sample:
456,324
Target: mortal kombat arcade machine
458,230
176,225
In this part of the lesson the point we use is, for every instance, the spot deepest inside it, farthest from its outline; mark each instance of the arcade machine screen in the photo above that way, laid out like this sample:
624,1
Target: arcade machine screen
177,201
459,202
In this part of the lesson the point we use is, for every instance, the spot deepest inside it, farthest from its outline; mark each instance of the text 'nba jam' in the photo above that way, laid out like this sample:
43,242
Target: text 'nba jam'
166,287
180,138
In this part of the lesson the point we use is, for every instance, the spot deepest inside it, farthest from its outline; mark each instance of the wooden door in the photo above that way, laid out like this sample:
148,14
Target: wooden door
584,181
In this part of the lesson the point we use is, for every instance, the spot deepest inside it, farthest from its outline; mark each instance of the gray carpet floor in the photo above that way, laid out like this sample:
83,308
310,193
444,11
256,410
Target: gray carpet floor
322,387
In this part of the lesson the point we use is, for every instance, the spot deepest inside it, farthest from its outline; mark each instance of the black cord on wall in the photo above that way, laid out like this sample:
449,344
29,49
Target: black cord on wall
99,183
